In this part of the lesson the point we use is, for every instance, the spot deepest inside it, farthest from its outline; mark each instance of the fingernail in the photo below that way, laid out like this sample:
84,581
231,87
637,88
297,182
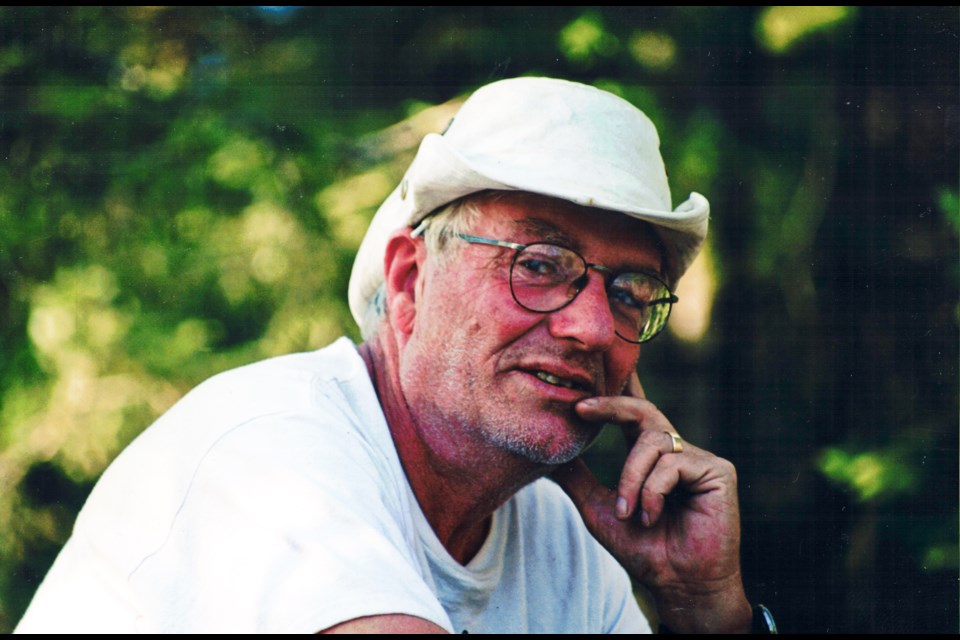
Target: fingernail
621,507
589,402
644,518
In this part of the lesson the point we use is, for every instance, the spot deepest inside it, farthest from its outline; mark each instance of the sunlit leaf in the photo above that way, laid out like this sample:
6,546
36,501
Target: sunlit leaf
780,28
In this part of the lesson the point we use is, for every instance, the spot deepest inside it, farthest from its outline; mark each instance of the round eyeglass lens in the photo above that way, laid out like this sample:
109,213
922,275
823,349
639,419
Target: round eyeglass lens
543,277
640,304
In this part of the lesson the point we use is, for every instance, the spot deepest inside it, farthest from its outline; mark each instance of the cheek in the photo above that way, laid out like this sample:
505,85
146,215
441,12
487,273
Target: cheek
489,310
620,368
451,318
474,309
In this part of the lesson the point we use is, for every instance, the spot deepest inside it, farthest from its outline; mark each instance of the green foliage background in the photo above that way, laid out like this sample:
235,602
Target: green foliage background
182,191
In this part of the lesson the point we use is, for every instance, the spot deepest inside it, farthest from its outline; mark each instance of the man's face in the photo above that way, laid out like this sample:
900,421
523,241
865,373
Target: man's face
483,371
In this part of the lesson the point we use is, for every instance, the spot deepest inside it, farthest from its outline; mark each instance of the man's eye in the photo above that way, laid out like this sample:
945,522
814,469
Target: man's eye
626,298
539,267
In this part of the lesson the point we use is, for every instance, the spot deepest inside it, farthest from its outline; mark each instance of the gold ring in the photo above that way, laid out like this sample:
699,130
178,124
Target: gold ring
677,442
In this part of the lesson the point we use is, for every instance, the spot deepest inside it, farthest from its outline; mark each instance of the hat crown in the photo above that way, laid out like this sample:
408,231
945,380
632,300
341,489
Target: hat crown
590,139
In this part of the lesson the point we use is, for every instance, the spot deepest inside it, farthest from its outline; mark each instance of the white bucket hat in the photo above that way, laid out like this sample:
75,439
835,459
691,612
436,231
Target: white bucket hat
545,136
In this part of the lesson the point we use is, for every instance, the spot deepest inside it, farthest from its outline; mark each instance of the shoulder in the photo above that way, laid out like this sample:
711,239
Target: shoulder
326,386
291,381
265,416
296,426
273,483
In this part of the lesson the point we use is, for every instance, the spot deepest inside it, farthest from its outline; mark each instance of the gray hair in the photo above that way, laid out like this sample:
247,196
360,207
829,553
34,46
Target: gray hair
439,229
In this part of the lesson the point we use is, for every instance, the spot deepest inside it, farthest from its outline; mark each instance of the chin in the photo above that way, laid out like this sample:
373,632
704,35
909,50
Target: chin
555,451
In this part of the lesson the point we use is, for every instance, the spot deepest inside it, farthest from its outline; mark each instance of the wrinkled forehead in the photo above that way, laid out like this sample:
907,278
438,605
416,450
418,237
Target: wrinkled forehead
597,234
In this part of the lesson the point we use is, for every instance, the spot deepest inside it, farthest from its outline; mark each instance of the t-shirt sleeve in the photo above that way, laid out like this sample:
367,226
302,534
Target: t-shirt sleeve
283,529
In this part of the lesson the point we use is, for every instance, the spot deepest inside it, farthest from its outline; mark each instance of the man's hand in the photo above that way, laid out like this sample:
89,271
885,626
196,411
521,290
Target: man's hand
673,522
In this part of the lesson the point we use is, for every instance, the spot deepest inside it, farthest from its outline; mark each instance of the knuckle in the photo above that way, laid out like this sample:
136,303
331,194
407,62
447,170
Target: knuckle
648,406
728,467
651,438
649,495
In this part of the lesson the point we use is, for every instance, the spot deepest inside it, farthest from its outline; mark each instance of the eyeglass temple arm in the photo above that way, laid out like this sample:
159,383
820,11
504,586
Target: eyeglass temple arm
420,228
490,241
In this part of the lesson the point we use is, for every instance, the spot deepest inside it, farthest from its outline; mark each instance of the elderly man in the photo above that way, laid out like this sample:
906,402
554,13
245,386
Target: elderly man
504,290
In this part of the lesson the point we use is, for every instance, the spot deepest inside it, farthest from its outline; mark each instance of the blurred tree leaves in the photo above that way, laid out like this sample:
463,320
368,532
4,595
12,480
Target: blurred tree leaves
182,191
779,29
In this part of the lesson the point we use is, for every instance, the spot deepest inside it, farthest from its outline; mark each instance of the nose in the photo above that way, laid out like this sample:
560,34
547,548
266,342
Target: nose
588,319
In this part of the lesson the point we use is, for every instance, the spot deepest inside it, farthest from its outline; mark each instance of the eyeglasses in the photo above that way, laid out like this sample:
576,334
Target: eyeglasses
545,277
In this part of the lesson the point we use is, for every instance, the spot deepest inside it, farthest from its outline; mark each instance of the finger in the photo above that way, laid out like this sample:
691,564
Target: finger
641,460
653,496
641,414
696,474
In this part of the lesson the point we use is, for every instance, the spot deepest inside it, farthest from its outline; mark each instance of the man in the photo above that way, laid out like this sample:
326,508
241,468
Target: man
504,289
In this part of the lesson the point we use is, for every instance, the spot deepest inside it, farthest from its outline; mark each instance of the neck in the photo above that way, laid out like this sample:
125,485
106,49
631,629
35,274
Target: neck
458,482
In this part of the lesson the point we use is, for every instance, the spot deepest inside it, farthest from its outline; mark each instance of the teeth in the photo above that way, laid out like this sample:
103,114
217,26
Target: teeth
554,380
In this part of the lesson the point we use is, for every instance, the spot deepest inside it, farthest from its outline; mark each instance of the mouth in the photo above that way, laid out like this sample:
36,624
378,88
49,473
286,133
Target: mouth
557,381
564,378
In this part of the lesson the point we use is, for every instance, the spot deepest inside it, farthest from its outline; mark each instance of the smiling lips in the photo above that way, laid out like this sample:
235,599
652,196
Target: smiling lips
562,376
558,382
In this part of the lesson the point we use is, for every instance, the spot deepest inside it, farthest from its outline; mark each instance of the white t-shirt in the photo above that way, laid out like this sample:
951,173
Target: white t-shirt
271,499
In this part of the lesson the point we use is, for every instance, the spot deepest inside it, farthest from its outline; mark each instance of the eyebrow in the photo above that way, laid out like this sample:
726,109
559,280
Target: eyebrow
548,232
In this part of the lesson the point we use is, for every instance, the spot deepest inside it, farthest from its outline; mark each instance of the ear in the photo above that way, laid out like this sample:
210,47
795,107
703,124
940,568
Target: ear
402,262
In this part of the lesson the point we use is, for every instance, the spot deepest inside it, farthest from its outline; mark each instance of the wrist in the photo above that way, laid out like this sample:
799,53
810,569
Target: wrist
725,611
763,623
